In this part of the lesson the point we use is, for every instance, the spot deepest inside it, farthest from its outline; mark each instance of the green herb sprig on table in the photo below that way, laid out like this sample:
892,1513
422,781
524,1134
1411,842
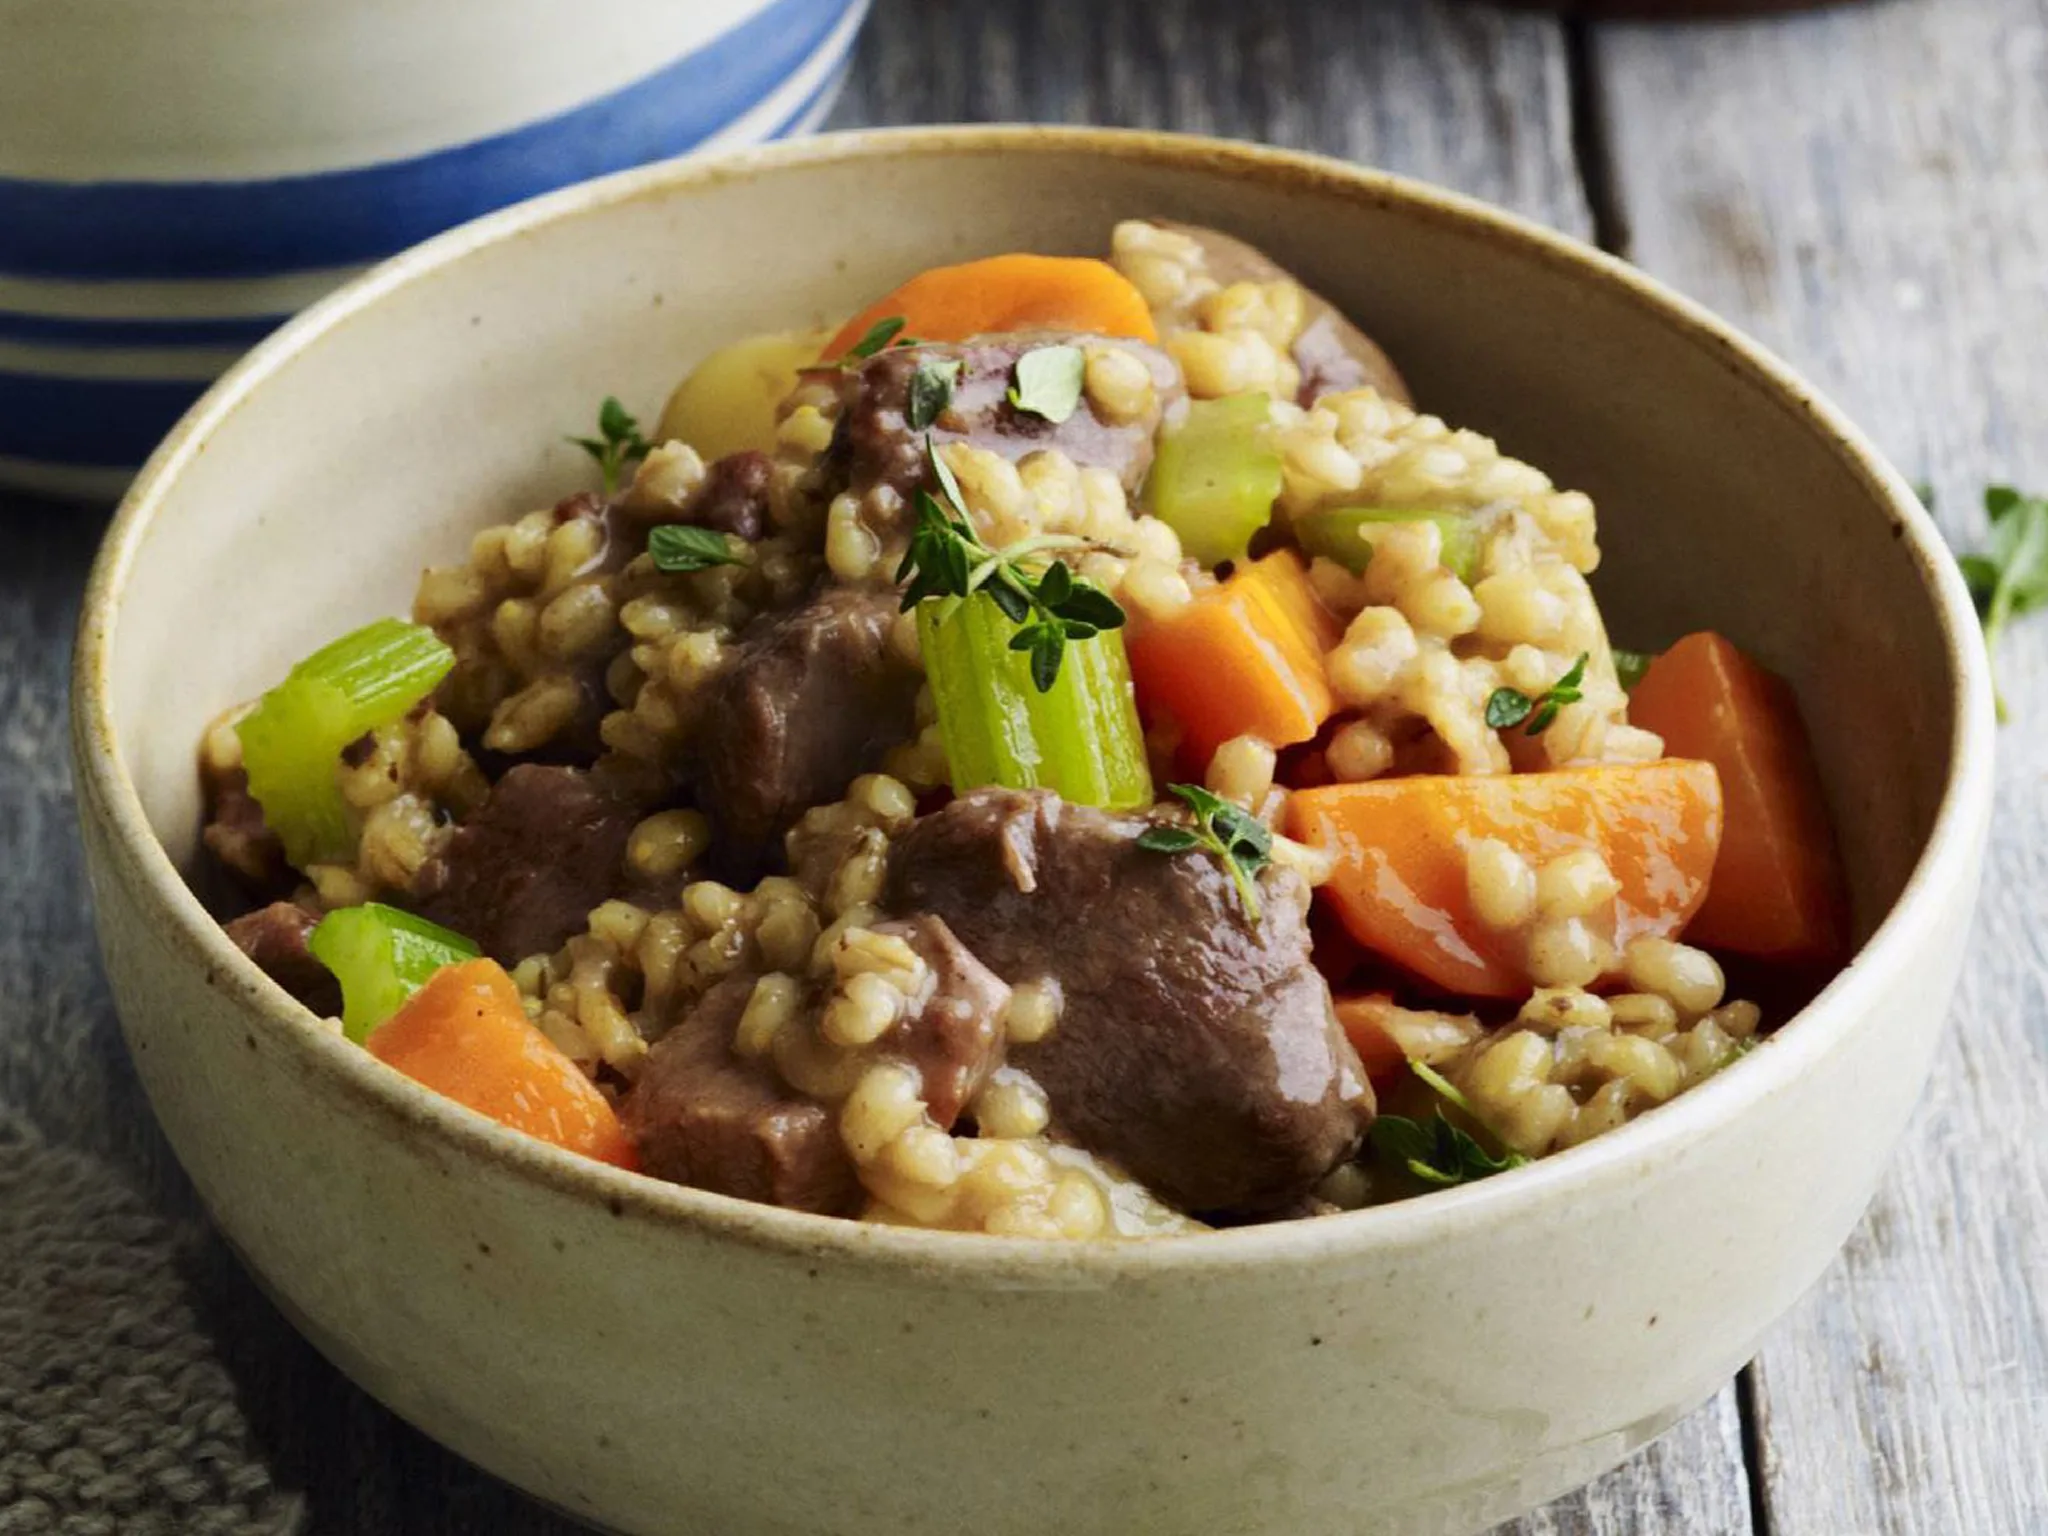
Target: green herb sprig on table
679,548
2009,580
1239,841
1508,707
617,444
1437,1151
947,558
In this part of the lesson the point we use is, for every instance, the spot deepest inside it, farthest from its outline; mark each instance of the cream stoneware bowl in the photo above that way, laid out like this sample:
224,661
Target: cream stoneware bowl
657,1359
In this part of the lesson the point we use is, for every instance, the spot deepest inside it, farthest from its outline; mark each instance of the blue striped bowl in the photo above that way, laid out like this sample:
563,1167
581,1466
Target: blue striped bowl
262,154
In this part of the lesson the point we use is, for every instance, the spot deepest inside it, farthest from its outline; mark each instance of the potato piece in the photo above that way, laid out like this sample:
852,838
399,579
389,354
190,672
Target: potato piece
728,401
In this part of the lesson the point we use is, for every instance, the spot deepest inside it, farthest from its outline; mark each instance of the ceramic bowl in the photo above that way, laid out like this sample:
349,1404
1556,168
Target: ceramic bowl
176,179
661,1359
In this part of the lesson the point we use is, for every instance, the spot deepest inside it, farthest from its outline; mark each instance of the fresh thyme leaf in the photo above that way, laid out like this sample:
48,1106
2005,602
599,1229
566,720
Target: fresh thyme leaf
677,547
2010,580
1509,707
1506,707
614,421
942,472
945,557
1168,839
878,336
1015,605
1048,382
1089,604
1629,666
617,444
1048,646
931,390
1240,842
1438,1151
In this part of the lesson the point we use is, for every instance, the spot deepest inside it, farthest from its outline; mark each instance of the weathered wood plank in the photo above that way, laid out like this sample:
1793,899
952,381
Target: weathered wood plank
1463,95
1867,190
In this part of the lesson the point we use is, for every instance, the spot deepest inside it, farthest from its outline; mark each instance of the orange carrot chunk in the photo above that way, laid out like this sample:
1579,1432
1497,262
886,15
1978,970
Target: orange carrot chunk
1364,1020
1778,890
465,1035
1007,293
1400,885
1245,658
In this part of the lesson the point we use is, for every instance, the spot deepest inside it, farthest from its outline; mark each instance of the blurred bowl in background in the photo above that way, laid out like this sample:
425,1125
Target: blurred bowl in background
176,180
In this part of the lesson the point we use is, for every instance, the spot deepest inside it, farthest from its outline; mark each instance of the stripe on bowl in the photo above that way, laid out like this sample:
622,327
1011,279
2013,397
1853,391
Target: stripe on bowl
143,229
89,385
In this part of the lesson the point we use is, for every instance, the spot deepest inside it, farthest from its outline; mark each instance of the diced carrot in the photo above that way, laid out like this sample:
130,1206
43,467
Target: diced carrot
1008,293
465,1035
1364,1021
1243,659
1388,1037
1400,884
1778,890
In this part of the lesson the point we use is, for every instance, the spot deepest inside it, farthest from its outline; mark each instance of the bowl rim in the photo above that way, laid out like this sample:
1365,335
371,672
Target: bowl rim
1943,872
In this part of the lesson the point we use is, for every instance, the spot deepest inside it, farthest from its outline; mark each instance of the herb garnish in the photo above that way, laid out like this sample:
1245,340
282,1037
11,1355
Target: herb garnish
1507,707
1242,843
2010,580
618,442
1629,667
1437,1151
679,548
931,390
947,558
1049,382
878,336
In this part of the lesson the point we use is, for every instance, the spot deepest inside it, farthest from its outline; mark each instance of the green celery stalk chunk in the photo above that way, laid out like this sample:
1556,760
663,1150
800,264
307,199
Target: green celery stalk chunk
1081,739
1216,476
1344,534
381,956
293,738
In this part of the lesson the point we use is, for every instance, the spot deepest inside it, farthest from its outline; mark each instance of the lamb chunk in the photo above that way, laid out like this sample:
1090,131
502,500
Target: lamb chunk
1195,1049
700,1114
811,701
878,446
521,875
954,1034
241,842
275,938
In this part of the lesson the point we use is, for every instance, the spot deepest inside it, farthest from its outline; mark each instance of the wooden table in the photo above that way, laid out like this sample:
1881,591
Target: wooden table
1865,189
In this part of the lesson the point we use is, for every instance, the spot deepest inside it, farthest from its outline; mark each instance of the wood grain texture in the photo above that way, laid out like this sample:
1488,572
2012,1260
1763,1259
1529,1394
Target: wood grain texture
1867,190
1462,95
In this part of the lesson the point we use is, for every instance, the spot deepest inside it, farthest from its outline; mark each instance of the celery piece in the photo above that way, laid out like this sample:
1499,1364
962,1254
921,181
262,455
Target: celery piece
1080,739
1216,476
293,738
381,956
1344,534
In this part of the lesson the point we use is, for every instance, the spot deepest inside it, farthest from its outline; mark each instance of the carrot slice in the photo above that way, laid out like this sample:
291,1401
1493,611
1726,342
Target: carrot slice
1778,890
1400,885
465,1035
1243,659
1364,1021
1008,293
